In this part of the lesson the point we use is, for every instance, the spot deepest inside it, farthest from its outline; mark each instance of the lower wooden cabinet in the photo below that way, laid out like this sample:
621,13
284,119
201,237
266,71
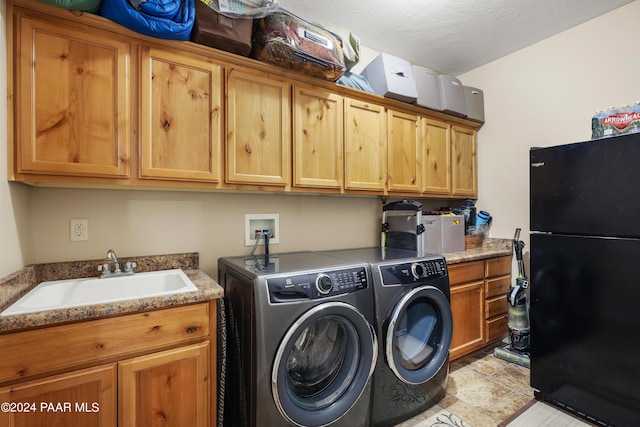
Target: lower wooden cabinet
165,388
468,320
479,303
155,368
76,399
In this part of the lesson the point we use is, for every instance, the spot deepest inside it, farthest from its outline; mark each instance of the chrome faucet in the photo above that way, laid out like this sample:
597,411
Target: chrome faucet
105,268
111,255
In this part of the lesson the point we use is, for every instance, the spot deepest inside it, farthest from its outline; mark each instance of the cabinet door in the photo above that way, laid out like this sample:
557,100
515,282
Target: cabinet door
165,388
365,146
403,152
180,123
258,129
85,398
318,132
464,163
436,152
467,305
73,105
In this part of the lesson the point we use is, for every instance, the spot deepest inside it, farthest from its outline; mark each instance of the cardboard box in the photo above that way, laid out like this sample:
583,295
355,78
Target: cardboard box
392,77
443,233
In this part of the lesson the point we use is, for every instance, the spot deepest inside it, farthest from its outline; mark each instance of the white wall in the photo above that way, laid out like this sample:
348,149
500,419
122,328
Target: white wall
15,236
545,95
158,222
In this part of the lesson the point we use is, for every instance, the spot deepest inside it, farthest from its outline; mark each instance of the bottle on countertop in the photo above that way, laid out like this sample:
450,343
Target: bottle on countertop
597,127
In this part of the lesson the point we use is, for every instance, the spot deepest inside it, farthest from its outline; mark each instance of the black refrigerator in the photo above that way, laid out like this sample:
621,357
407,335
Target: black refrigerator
585,278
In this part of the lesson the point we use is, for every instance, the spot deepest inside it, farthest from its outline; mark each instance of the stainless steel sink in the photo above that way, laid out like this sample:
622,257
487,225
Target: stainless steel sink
61,294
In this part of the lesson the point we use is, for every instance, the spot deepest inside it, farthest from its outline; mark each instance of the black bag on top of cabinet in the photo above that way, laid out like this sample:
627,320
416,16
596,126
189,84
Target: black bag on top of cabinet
284,40
221,32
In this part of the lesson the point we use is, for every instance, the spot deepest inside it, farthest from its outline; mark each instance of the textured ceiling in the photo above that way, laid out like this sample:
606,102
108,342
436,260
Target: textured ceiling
451,36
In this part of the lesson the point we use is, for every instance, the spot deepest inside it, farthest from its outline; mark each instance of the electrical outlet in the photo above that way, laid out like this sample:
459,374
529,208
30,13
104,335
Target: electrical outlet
78,229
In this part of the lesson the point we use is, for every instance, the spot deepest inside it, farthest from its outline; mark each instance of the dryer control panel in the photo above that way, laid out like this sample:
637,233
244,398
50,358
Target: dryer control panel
306,286
408,273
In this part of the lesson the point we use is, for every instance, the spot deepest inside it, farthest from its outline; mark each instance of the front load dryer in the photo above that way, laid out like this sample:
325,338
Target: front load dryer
414,324
303,346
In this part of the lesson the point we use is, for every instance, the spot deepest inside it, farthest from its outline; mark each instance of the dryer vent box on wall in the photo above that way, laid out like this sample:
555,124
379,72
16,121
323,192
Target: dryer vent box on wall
453,101
392,77
475,103
428,88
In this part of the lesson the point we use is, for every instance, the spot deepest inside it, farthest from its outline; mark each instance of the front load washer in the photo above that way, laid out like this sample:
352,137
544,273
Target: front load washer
414,324
303,345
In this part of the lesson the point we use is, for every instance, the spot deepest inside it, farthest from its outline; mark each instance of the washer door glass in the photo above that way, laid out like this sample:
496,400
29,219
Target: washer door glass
418,335
323,364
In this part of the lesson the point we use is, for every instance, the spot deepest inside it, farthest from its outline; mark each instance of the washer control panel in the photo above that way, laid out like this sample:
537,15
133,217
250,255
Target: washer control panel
308,286
409,273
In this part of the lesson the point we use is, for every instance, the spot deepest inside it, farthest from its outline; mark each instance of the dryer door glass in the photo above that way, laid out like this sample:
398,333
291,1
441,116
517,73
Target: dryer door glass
323,364
418,335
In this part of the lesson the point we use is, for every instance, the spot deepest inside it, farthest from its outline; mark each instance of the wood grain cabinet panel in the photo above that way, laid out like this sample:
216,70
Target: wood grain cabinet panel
258,146
165,388
365,146
181,113
404,159
84,398
464,162
467,304
72,101
318,133
436,154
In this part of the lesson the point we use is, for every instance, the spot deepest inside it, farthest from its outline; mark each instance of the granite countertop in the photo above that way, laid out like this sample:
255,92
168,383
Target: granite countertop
17,284
491,247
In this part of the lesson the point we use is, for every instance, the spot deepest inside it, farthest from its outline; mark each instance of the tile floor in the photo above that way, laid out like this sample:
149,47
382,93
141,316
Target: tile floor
482,390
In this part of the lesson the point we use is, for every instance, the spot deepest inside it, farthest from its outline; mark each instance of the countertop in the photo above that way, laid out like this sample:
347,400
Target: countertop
17,284
491,247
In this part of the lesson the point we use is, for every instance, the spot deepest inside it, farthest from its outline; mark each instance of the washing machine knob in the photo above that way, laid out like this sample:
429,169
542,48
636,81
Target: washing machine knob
324,283
417,270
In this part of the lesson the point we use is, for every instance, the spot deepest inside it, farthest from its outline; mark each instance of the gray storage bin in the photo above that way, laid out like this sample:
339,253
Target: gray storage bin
427,87
475,103
453,101
443,233
391,77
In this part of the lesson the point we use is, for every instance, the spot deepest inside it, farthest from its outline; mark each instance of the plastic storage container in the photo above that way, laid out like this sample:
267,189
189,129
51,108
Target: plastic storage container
453,101
287,41
474,98
443,233
428,88
392,77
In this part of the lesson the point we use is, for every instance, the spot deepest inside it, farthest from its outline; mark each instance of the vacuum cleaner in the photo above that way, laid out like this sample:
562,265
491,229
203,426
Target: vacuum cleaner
518,314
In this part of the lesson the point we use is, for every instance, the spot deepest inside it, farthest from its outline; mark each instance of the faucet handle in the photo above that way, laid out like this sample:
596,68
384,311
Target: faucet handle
129,266
104,268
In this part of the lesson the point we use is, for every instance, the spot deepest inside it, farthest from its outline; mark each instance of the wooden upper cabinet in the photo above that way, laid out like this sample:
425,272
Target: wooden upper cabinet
404,152
318,129
365,142
436,155
180,123
464,162
258,129
72,101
